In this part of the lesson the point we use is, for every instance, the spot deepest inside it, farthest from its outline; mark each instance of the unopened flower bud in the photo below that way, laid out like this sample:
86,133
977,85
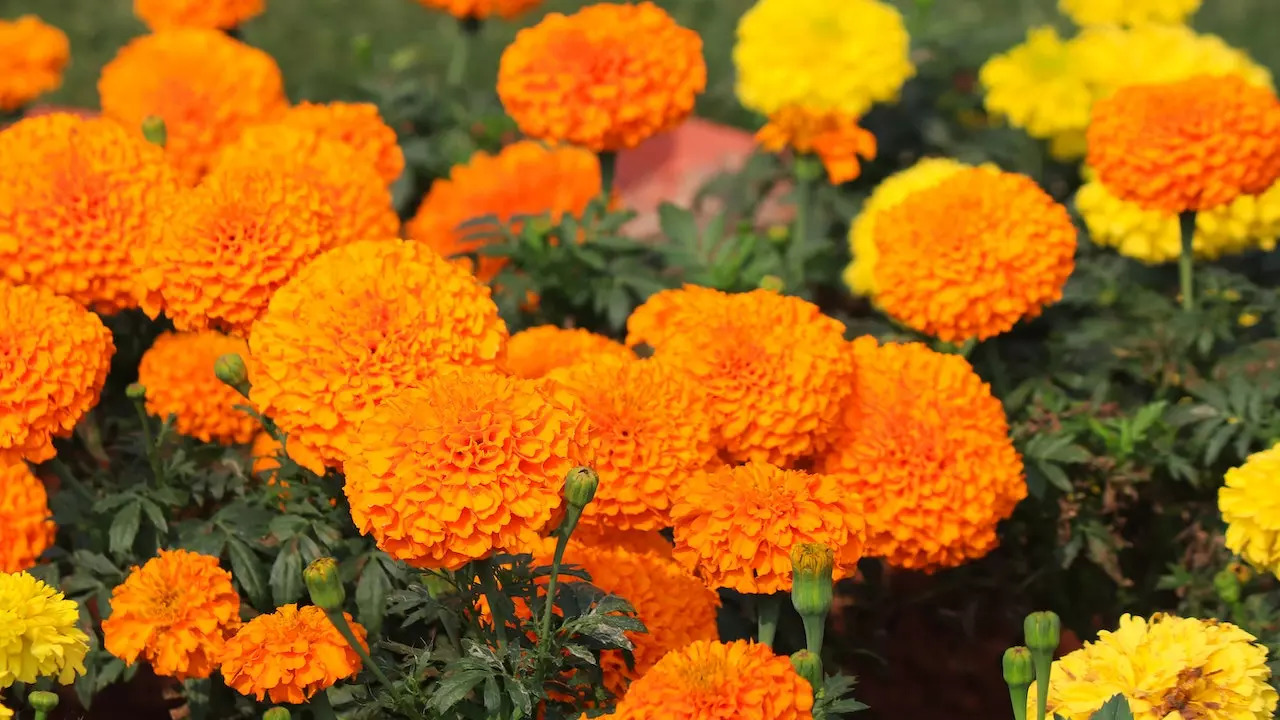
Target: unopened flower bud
1018,669
42,701
1043,631
580,486
809,666
230,369
277,713
812,565
773,283
324,584
136,391
154,130
1227,585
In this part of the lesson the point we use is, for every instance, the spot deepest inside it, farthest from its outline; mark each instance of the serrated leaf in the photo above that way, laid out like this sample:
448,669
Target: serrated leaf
371,596
677,223
248,570
455,686
520,696
286,575
124,528
95,563
155,516
1117,708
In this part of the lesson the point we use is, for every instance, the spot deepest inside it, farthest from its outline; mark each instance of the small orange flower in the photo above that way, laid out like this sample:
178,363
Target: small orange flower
709,680
735,526
924,447
536,351
970,256
54,357
525,178
774,367
835,138
32,62
290,655
24,515
176,611
356,125
211,14
1186,146
206,87
604,78
177,372
481,9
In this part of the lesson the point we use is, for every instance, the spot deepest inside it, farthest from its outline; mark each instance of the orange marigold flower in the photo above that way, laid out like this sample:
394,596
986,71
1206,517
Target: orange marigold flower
32,62
74,196
604,78
356,326
212,14
924,447
466,463
54,357
710,680
1186,146
177,372
837,139
219,252
176,612
774,367
481,9
524,178
24,515
290,655
359,126
735,526
206,87
536,351
970,256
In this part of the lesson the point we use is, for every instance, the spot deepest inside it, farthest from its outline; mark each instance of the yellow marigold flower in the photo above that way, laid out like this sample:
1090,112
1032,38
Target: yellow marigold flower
466,463
39,632
972,255
178,373
524,178
835,138
534,352
55,362
1166,667
206,87
774,367
604,78
211,14
176,612
1187,146
735,527
24,515
1128,12
709,680
1247,503
481,9
5,712
1038,86
32,62
290,655
74,196
1113,57
924,447
356,326
356,125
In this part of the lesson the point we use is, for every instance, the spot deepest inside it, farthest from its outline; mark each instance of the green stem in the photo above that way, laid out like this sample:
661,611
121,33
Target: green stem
153,451
1018,697
608,172
321,708
562,542
1187,227
339,621
456,71
815,626
1044,664
489,587
768,607
805,172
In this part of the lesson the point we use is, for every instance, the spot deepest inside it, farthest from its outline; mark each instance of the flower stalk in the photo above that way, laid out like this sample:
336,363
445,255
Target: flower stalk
1186,259
324,585
456,71
579,490
137,394
807,170
608,172
768,608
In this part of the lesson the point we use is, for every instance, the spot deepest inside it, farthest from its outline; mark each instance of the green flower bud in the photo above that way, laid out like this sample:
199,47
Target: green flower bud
809,666
1018,669
1043,631
437,587
1227,585
42,702
324,584
154,130
772,282
277,713
580,486
136,391
812,565
230,369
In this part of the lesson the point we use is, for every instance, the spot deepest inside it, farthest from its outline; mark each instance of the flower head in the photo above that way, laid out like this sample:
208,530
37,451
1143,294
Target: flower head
481,9
1128,12
972,255
1039,86
534,352
39,632
1112,57
774,368
24,515
604,78
835,138
176,612
209,14
924,446
33,59
1248,503
356,125
355,327
1187,146
290,655
178,373
54,357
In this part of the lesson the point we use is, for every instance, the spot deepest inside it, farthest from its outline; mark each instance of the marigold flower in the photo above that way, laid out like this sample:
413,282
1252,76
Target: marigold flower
924,446
709,680
604,78
1128,12
177,371
774,368
356,326
218,253
290,655
1039,86
1113,57
1246,502
54,362
39,632
1165,667
210,14
176,612
206,87
481,9
735,527
1187,146
24,515
359,126
536,351
5,712
466,463
524,178
972,255
837,139
34,57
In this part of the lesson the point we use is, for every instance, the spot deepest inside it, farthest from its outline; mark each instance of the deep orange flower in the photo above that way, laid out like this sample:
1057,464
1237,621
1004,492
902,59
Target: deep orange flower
924,447
75,195
290,655
525,178
212,14
32,62
356,125
972,255
710,680
206,87
735,526
837,139
481,9
54,357
466,463
218,253
774,367
536,351
604,78
177,372
24,515
354,328
176,612
1190,145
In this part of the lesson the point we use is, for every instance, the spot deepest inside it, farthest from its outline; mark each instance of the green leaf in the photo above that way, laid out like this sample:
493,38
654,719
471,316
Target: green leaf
286,575
247,569
1117,708
155,515
454,687
371,596
677,223
124,528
